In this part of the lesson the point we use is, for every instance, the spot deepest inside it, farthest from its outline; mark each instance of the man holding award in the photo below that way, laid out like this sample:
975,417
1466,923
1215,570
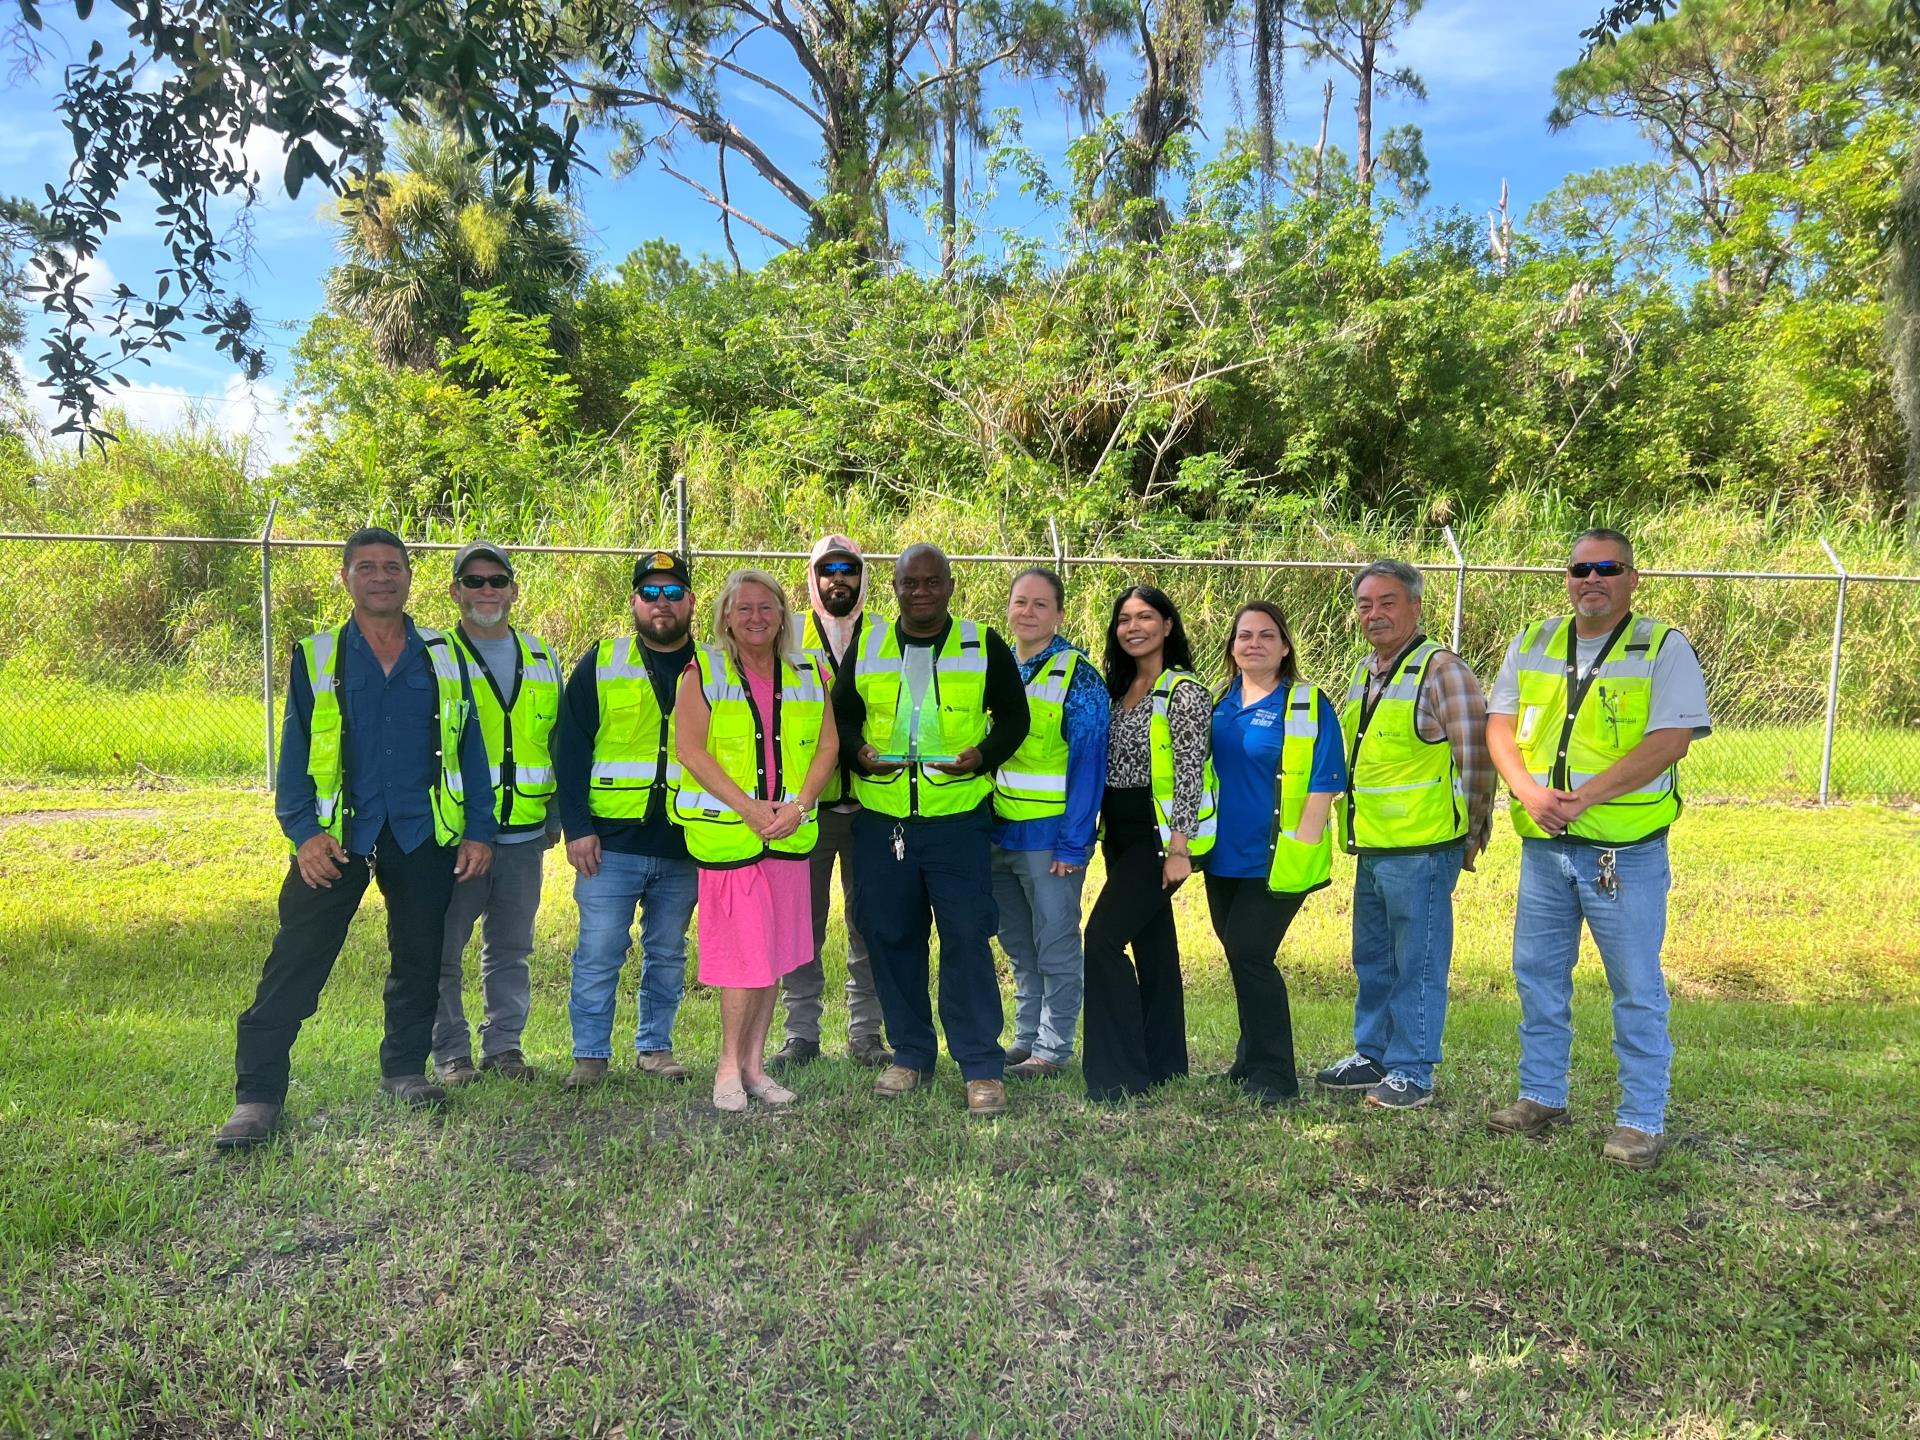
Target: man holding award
928,708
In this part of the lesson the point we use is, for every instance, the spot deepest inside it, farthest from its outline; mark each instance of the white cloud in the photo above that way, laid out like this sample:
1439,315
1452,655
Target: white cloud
257,411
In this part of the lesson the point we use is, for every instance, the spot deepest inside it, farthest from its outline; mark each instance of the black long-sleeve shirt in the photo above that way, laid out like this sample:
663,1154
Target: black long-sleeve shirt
1006,701
573,760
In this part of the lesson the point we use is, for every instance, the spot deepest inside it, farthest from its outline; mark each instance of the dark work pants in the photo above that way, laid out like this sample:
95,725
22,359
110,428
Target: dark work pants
313,927
1134,1013
1251,921
945,881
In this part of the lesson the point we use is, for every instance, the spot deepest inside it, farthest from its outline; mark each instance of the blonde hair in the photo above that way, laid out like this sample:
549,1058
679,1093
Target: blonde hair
784,646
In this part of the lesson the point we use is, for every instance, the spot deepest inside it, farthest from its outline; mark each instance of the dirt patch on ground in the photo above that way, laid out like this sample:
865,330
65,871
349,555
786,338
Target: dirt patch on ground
47,817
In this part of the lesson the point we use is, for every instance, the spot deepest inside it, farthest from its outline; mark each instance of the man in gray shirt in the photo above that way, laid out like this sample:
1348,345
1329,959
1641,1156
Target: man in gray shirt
1587,723
516,695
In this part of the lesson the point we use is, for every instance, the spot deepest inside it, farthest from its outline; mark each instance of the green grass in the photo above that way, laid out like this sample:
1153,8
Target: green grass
633,1263
77,731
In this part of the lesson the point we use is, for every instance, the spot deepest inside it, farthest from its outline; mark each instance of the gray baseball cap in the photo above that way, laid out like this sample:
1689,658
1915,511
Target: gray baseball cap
483,549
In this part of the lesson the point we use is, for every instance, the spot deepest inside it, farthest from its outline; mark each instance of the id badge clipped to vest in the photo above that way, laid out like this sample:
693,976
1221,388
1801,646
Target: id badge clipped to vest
1529,722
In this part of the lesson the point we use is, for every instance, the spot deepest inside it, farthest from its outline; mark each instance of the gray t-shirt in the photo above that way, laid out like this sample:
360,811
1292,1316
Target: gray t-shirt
502,656
1679,699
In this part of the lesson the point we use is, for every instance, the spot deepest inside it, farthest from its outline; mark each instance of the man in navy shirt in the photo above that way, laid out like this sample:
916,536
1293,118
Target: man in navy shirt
368,793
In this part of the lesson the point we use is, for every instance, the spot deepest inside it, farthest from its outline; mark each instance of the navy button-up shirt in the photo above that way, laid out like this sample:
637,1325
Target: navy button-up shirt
391,750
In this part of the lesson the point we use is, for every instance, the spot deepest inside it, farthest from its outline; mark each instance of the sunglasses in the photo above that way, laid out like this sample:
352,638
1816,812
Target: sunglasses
662,592
486,582
838,567
1605,569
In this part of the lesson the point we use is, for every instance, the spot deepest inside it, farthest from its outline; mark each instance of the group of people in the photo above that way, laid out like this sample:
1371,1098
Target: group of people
959,784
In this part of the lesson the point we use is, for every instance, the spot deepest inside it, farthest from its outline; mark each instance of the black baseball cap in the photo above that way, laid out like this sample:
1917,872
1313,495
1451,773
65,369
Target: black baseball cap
480,550
661,562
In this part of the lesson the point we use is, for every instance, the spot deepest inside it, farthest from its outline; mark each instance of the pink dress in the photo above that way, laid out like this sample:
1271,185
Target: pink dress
756,921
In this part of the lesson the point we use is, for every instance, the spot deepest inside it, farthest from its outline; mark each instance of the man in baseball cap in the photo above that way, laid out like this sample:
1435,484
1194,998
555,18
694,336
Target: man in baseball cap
613,781
516,694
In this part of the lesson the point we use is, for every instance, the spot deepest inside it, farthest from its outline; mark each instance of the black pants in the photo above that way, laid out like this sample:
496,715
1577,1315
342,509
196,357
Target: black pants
944,878
1251,921
313,927
1135,1013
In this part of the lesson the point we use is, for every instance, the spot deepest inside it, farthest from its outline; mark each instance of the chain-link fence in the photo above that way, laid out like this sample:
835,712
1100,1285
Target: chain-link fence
167,656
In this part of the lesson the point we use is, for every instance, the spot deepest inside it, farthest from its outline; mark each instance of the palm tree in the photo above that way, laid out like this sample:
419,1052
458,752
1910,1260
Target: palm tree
415,239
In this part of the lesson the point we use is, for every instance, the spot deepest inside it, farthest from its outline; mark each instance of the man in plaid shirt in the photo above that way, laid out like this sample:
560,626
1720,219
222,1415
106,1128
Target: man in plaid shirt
1418,810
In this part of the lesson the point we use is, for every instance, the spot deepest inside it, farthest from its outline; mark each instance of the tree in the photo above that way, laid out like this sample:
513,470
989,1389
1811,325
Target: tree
1357,36
23,234
417,239
878,82
1717,89
322,75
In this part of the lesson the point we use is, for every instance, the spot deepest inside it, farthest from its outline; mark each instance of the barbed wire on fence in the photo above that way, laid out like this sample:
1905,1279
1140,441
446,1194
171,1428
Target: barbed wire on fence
167,653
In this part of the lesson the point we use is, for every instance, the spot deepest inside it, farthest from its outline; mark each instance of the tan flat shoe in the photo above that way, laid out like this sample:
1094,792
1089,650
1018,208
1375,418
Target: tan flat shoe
772,1093
730,1098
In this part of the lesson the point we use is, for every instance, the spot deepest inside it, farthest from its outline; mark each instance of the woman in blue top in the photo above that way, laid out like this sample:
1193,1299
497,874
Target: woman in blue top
1249,915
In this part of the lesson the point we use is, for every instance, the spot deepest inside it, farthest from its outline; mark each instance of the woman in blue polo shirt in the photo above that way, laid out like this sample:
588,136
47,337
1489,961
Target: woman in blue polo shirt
1252,899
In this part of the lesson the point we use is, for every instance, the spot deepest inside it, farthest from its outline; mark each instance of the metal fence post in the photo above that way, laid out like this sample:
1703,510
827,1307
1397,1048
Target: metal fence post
1059,550
1459,585
266,628
1833,669
680,515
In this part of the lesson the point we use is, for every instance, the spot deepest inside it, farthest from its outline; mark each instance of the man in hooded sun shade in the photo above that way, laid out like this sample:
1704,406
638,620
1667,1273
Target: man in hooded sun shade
830,630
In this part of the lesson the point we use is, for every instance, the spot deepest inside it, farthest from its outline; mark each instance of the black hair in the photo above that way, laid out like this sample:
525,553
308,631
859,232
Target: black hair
1036,572
372,535
1119,666
1289,663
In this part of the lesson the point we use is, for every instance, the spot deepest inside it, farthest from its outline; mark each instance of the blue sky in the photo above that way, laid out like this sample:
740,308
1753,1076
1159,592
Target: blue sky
1488,66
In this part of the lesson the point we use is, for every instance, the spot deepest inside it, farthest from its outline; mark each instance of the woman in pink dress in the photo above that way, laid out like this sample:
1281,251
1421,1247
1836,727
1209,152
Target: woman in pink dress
756,745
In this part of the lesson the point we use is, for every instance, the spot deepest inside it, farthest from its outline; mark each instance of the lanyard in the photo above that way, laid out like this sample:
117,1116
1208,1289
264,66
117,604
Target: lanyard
1577,687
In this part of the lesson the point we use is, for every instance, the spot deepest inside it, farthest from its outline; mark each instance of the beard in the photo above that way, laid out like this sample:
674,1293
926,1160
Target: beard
839,603
668,630
1590,606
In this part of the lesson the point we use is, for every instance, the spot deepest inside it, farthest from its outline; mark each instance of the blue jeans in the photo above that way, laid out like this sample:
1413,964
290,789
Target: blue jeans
1040,931
1402,951
665,891
1557,892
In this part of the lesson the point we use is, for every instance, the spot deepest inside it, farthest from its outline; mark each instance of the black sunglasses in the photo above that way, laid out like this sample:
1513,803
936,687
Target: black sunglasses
661,592
486,582
837,567
1606,569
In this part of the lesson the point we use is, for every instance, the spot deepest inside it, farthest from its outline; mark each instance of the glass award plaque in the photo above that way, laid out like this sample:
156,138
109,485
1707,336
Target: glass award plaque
918,737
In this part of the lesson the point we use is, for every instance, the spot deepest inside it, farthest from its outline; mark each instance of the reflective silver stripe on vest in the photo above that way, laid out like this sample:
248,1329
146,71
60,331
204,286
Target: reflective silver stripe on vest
440,654
710,805
625,770
1397,789
1305,726
809,690
621,665
525,775
964,662
324,645
1032,784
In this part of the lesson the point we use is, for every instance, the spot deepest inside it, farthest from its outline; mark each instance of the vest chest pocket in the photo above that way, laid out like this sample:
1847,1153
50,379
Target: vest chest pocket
623,713
545,703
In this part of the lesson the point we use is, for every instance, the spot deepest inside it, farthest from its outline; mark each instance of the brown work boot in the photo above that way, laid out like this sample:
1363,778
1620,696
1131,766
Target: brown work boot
510,1064
414,1091
1635,1149
986,1097
870,1051
585,1073
1527,1117
456,1072
796,1052
662,1065
250,1124
897,1080
1034,1068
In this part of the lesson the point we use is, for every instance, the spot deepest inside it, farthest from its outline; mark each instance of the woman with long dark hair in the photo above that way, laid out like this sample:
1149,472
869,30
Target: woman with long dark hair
1277,752
1157,815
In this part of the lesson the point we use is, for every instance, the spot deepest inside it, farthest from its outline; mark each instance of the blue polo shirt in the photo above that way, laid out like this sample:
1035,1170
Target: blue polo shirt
1246,752
390,750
